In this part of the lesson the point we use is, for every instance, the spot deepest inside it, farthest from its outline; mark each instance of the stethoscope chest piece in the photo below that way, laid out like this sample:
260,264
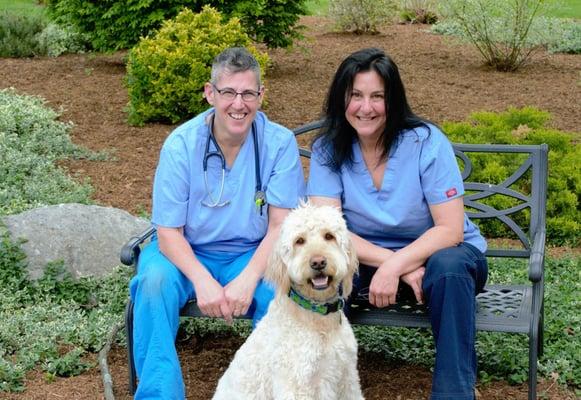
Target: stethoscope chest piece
259,200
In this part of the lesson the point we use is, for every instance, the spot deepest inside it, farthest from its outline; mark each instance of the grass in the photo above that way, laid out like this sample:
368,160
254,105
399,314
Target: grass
25,7
318,7
567,9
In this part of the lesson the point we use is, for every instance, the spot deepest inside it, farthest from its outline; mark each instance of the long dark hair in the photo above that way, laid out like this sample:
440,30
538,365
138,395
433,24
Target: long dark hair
337,132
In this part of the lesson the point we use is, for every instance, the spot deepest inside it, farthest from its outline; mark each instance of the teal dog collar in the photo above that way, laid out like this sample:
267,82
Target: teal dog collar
320,308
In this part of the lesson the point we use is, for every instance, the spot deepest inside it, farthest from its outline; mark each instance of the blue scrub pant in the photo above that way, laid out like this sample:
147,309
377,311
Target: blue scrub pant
159,291
453,278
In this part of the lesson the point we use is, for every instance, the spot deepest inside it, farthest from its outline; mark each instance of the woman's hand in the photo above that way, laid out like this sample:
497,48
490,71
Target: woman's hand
383,287
414,280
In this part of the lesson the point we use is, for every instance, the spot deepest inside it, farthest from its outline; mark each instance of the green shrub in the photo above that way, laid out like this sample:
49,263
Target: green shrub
566,37
447,27
273,22
31,35
119,24
18,34
527,126
166,72
31,141
560,35
113,25
505,32
55,40
360,16
418,11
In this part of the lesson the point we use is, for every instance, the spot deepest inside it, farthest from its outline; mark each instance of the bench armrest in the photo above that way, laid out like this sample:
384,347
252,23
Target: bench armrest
130,250
537,258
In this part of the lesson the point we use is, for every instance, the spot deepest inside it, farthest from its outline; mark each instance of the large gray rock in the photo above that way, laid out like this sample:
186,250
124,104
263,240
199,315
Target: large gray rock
87,238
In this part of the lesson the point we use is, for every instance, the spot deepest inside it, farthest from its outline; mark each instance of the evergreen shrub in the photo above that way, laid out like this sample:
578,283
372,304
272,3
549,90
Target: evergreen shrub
527,125
166,72
119,24
272,22
114,24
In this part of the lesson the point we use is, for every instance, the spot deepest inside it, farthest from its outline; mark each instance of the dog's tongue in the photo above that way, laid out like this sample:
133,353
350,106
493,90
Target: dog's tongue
320,282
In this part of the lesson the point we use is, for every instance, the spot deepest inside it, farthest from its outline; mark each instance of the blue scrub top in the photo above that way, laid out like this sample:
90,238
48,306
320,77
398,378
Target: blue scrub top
179,189
421,170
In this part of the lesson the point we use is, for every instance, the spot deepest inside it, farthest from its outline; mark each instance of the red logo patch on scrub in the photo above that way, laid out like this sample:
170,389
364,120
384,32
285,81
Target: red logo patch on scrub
451,192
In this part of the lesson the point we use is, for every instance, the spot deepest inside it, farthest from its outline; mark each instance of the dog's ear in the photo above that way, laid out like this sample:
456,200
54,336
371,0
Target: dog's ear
352,267
276,271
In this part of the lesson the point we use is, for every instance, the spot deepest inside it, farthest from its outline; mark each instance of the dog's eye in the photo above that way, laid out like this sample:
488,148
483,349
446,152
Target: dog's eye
300,241
329,236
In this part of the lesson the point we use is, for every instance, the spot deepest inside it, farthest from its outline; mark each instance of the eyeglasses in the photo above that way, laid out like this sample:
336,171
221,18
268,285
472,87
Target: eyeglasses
230,94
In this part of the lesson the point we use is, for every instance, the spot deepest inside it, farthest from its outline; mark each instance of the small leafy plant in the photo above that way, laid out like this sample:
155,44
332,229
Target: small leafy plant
54,323
361,16
419,11
32,140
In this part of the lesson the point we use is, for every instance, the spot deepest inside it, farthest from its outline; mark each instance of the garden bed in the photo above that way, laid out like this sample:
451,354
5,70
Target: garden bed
444,82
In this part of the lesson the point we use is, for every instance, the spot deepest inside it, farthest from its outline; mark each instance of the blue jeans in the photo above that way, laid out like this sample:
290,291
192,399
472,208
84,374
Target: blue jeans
159,291
453,278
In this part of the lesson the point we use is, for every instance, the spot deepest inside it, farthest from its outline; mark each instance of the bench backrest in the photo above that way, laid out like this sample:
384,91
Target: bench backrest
532,167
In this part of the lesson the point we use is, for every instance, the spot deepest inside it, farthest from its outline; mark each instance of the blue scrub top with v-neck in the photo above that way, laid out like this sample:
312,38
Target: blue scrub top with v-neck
179,189
421,170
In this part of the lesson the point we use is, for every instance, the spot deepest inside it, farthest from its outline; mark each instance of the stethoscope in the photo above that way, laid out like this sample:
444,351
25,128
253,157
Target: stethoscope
259,195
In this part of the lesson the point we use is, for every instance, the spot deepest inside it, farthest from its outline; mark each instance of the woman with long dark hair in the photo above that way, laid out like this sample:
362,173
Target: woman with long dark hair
396,179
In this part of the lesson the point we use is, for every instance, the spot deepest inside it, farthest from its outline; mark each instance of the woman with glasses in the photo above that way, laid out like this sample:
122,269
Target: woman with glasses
395,177
225,181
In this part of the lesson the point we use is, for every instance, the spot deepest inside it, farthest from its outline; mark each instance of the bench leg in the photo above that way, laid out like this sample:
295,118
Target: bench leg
129,333
541,330
533,357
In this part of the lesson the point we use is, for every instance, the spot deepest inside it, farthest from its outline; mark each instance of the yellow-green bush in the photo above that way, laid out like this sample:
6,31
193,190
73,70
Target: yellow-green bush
527,126
166,72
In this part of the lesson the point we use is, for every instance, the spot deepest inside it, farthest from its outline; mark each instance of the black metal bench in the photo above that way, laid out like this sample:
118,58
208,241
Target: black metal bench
501,308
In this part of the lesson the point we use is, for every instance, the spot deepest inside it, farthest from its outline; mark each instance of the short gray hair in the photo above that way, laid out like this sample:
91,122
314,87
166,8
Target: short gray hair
234,59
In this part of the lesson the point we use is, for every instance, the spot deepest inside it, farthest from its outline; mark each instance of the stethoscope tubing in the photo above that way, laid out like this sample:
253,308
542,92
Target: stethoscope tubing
259,194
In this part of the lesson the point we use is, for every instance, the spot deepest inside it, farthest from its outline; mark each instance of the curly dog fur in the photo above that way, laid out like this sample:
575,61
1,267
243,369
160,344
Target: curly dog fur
296,353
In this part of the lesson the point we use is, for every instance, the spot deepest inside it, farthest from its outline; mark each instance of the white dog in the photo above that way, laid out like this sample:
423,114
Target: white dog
304,347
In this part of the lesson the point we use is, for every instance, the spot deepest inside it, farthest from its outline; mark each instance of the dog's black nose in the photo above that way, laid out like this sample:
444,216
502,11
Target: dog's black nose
318,262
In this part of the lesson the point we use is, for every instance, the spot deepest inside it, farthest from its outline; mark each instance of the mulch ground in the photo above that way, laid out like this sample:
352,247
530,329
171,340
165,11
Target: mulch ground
444,81
204,360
